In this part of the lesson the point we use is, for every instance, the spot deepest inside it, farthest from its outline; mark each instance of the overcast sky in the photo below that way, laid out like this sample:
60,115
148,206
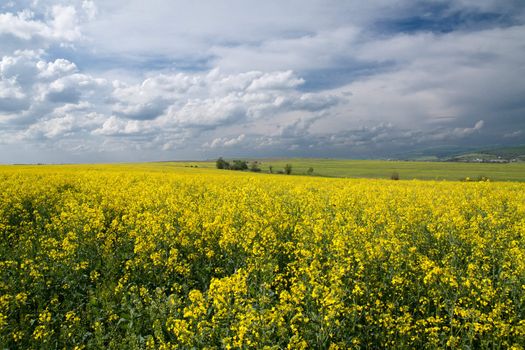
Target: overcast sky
134,80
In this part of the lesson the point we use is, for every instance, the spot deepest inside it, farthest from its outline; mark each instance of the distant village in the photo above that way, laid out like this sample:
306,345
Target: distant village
482,160
486,159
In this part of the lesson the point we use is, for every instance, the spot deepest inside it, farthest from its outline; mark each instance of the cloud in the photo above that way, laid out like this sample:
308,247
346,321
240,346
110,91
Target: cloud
318,50
63,123
114,126
224,142
61,24
56,69
47,95
20,67
64,25
12,98
50,98
90,9
513,134
466,75
71,88
210,100
275,81
21,25
461,132
375,140
141,111
336,78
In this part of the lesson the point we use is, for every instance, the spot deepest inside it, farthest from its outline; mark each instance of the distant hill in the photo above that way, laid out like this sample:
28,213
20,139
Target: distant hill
508,152
493,155
437,153
462,154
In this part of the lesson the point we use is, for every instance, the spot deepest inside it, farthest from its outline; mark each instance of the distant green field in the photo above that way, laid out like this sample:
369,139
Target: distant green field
376,169
382,169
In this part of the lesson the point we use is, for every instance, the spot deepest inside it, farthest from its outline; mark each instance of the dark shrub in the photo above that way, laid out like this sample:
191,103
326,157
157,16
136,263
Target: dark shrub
222,164
239,165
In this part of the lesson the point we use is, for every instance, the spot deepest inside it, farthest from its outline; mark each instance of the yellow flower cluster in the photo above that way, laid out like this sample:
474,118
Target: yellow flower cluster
122,257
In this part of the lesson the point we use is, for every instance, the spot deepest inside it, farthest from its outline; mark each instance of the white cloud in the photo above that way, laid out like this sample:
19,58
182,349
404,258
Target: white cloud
42,99
51,128
461,132
56,69
213,99
21,25
71,88
63,122
50,98
64,25
115,126
224,142
20,66
61,25
90,8
275,81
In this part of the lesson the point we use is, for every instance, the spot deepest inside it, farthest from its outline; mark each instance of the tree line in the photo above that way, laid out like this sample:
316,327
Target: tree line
254,166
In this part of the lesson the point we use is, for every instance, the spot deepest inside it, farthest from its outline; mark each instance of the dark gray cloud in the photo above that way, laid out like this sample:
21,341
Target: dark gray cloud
63,96
142,111
382,140
12,104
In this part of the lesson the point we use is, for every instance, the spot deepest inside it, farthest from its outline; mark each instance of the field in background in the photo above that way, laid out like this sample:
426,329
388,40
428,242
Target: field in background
407,170
377,169
168,256
373,169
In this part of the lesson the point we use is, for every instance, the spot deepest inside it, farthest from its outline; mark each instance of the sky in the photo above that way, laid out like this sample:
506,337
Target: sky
133,80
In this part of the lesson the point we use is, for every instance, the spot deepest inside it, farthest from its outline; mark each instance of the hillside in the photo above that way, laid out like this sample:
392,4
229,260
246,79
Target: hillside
494,155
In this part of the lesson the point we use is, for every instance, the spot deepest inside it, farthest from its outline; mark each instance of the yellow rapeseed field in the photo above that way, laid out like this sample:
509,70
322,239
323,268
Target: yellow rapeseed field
128,258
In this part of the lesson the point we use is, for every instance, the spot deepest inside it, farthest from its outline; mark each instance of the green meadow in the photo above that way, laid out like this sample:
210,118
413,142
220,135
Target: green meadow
407,170
373,169
380,169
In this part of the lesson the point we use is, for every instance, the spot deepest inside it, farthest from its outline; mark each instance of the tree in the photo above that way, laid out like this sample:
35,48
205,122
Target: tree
239,165
288,169
271,169
254,166
222,164
310,171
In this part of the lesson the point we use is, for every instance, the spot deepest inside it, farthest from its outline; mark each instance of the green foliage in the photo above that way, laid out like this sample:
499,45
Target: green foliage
288,169
239,165
222,164
254,166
